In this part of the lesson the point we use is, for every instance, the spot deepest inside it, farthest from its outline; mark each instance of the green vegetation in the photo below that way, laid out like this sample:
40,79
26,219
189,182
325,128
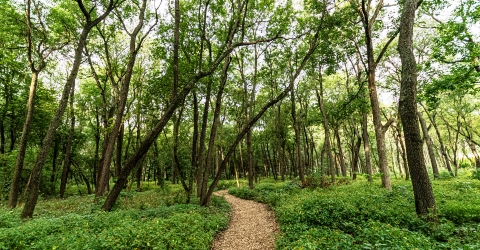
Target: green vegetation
154,219
365,216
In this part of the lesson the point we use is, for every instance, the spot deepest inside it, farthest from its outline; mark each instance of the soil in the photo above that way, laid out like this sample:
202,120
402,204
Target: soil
252,226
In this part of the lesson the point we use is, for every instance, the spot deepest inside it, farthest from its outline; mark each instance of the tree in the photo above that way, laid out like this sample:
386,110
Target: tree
368,15
423,192
326,127
39,48
176,100
55,122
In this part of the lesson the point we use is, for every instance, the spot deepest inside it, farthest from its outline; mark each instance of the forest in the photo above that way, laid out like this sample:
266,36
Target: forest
121,116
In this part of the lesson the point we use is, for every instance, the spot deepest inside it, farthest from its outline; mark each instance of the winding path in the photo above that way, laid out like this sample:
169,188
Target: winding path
252,226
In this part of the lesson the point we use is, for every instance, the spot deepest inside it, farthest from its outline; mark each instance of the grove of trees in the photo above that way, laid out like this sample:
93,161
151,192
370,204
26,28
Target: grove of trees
115,93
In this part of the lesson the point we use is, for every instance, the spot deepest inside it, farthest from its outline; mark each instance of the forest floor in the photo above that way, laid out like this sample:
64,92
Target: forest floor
252,226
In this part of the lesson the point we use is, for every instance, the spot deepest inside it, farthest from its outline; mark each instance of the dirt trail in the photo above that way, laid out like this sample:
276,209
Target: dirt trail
252,226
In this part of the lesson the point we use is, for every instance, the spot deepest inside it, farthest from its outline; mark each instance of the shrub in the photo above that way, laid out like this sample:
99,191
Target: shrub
461,212
362,215
130,226
476,174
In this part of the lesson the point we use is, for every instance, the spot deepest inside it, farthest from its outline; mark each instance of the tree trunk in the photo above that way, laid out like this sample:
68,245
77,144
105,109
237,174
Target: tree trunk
428,140
214,128
472,147
326,127
379,131
203,134
97,147
176,164
398,156
240,152
343,167
356,156
250,159
133,51
366,147
279,140
56,151
138,175
68,153
194,158
368,21
403,154
15,186
119,151
298,165
423,192
2,122
443,149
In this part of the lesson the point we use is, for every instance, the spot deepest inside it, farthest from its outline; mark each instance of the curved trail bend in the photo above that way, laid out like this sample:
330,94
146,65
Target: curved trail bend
252,226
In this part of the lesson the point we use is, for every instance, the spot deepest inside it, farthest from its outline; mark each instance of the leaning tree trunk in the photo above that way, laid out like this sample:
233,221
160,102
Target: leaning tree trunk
134,47
473,148
429,142
22,148
423,192
443,149
214,128
68,153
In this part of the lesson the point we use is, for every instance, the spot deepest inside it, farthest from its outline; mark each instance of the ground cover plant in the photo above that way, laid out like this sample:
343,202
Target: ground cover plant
359,215
154,219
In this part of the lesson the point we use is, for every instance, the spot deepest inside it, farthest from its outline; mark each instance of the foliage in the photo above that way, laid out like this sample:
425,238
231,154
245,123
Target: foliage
363,215
476,174
75,224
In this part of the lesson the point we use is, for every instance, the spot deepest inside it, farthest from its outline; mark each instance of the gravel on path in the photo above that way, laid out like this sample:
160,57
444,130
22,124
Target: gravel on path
252,226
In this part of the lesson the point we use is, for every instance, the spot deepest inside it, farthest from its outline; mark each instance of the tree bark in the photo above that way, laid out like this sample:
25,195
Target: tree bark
298,164
119,150
356,152
22,148
134,47
68,153
203,134
443,149
423,192
474,152
403,153
326,127
366,147
429,142
214,128
194,158
343,167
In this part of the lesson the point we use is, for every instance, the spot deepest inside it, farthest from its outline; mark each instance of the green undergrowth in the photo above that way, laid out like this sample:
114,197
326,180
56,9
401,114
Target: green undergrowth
154,219
361,215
